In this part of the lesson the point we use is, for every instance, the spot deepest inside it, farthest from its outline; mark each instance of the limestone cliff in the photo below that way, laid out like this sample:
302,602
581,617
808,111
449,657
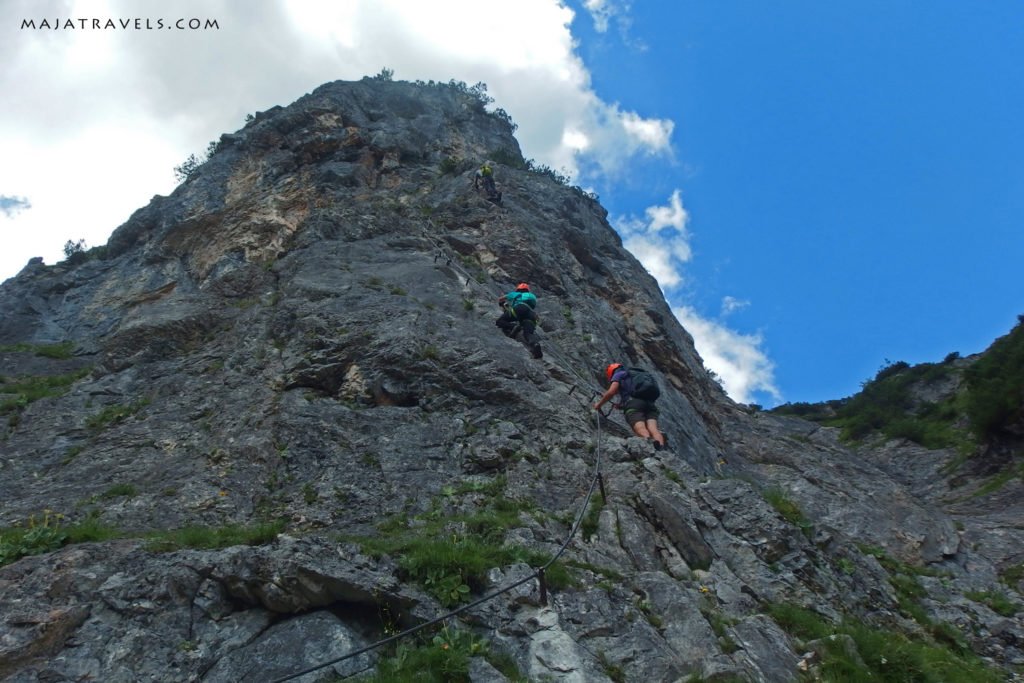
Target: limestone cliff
300,338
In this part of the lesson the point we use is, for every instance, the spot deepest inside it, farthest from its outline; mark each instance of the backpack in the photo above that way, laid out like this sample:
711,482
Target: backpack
516,298
644,385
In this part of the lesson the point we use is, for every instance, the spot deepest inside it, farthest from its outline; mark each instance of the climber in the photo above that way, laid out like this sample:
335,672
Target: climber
637,392
485,176
518,314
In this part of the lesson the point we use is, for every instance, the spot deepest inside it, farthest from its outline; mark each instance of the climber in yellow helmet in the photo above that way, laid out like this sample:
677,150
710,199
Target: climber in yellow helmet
485,176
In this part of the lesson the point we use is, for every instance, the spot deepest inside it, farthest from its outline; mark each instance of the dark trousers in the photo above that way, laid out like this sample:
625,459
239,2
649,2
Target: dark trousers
489,187
521,316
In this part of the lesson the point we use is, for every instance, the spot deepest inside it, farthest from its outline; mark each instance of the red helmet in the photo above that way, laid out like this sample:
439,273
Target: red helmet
611,369
522,287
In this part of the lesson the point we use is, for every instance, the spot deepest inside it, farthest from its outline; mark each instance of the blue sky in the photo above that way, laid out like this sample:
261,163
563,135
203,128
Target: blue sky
853,172
818,186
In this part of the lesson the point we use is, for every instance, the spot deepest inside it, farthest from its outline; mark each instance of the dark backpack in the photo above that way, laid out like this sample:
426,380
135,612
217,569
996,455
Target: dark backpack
644,385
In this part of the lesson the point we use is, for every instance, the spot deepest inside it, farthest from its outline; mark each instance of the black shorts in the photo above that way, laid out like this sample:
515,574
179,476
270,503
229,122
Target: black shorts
639,410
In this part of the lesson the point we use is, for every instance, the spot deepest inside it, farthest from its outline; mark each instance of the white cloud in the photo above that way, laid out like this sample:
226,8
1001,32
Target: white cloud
656,258
10,206
738,359
652,134
671,216
101,117
660,240
732,304
601,11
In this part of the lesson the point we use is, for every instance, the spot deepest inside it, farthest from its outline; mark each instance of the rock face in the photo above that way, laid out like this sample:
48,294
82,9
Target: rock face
303,334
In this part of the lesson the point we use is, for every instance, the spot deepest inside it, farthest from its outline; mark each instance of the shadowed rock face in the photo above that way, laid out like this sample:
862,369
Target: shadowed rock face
303,332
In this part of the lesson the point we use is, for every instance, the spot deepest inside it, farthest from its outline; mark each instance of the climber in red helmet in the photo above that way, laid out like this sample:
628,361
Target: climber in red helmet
637,392
517,313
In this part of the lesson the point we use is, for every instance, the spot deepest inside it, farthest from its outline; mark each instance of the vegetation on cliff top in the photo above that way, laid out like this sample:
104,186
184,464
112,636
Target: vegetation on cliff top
986,399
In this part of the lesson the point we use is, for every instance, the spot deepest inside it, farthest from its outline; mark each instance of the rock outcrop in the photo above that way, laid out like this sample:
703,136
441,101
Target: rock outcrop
302,337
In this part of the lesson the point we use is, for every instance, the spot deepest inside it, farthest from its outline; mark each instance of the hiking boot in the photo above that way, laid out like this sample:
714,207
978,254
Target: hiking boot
537,353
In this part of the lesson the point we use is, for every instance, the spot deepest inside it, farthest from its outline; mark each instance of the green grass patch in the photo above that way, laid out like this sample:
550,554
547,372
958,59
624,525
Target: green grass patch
789,510
428,352
48,532
112,415
883,655
1013,575
120,491
892,565
909,591
26,390
995,601
61,351
491,487
591,520
799,621
449,553
442,659
214,537
998,481
91,530
615,672
607,572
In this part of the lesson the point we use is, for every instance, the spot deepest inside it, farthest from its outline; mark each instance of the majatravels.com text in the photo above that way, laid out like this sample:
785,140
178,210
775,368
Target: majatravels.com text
137,24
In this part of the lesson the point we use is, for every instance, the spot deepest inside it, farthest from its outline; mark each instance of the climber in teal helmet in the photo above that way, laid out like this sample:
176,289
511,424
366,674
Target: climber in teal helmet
518,313
485,176
637,392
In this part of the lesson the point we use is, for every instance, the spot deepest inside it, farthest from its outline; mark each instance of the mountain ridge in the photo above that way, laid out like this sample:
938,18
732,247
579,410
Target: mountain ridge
300,341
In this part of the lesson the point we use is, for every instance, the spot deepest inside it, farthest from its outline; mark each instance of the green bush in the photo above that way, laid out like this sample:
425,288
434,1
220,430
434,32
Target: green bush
995,384
187,168
992,399
449,165
508,158
34,538
885,404
74,252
